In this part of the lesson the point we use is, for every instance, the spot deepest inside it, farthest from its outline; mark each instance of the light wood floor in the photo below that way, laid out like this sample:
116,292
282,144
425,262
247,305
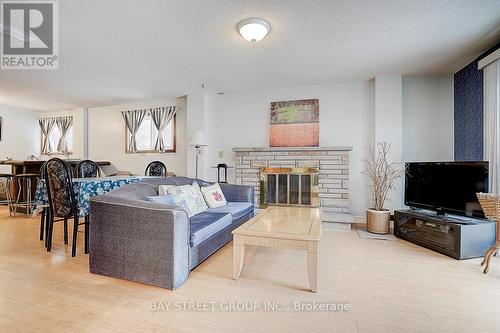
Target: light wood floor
391,286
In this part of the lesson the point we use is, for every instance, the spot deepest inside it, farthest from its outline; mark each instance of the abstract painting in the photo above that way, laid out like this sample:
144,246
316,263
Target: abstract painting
294,123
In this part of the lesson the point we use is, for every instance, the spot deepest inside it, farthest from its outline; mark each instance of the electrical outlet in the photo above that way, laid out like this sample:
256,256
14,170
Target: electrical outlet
221,154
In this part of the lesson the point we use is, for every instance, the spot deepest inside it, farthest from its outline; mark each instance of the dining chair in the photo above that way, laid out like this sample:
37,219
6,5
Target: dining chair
156,169
62,202
87,169
43,215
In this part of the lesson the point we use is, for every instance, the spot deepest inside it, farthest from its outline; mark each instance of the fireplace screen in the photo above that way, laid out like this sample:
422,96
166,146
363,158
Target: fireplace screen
289,186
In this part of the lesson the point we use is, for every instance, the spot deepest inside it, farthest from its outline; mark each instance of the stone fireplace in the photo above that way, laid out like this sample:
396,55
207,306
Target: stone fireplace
306,176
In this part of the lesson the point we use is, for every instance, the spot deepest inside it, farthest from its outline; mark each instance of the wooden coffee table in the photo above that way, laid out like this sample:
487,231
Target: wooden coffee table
297,228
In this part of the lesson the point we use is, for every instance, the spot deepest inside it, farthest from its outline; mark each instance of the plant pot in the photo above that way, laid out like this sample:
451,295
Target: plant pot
378,221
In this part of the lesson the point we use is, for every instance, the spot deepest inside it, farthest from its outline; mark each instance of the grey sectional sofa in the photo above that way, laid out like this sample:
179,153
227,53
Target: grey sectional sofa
134,239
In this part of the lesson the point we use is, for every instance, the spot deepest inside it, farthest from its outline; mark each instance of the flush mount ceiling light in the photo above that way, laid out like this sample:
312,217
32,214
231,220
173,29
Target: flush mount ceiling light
253,29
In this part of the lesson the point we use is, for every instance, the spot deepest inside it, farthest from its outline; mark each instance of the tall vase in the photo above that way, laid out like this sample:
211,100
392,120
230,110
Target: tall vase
378,221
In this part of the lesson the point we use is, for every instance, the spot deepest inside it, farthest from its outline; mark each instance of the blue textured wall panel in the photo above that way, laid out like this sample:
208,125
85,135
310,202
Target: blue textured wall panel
468,108
468,104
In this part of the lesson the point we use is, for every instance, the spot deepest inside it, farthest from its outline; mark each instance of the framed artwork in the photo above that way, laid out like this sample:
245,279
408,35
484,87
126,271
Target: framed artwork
1,123
294,123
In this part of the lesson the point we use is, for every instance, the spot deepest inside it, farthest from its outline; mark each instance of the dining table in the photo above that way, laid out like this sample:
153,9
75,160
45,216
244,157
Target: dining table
84,189
33,166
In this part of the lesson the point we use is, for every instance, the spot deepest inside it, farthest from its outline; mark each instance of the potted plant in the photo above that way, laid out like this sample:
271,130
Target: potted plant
382,176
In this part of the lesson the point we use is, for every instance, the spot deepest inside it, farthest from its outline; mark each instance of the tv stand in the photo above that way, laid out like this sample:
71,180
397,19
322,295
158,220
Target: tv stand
457,237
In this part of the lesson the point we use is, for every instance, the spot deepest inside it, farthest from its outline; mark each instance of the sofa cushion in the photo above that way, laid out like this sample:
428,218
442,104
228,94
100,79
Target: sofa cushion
236,209
206,224
213,196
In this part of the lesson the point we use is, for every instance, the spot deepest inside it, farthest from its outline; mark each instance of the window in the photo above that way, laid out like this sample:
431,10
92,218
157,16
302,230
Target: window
147,134
54,137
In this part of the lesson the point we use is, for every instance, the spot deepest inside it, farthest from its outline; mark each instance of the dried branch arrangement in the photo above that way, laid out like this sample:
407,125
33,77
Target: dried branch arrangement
382,175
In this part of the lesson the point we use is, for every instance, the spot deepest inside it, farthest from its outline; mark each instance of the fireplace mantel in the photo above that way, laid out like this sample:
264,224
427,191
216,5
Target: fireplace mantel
276,149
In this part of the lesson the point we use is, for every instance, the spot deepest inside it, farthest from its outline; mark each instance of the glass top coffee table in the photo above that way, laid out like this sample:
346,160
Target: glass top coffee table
297,228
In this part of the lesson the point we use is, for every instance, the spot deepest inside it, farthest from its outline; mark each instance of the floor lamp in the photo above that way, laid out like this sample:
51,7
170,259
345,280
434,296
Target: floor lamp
197,141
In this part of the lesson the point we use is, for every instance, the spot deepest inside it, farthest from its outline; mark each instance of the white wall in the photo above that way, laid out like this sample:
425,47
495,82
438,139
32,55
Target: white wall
107,137
242,120
428,118
20,135
350,114
78,132
388,127
196,111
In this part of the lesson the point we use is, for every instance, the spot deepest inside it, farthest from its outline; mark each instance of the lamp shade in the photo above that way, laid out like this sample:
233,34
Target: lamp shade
198,139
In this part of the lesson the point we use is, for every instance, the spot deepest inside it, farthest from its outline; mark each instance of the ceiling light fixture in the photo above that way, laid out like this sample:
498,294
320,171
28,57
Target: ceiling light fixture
253,29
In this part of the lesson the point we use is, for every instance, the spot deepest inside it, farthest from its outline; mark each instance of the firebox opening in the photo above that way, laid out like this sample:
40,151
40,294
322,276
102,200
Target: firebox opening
289,187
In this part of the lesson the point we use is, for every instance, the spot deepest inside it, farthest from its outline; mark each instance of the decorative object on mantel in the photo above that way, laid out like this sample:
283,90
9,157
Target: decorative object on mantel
294,123
222,177
382,176
197,141
490,203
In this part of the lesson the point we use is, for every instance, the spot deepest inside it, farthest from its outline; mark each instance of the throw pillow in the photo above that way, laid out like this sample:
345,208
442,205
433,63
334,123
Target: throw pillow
213,196
197,202
191,194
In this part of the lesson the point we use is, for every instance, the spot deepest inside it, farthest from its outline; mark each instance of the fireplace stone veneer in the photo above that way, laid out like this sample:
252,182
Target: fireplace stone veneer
333,179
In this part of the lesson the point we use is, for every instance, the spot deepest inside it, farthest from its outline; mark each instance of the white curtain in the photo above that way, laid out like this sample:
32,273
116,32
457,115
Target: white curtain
64,124
133,120
491,75
161,117
46,126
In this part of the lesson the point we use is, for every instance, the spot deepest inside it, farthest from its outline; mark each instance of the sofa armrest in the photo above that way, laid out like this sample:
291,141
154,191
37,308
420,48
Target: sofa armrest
238,193
138,240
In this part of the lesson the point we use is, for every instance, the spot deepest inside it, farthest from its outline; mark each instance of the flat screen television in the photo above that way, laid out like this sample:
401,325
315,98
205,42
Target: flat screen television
446,187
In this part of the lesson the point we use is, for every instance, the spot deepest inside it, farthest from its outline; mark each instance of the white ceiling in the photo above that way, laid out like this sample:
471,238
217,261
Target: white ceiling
120,50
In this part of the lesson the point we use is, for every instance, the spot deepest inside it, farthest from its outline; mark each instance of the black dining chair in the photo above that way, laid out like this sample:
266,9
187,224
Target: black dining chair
156,169
62,202
87,169
44,207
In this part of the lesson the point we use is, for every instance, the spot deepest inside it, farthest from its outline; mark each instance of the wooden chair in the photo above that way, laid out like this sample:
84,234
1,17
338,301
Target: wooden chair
156,169
87,169
62,202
